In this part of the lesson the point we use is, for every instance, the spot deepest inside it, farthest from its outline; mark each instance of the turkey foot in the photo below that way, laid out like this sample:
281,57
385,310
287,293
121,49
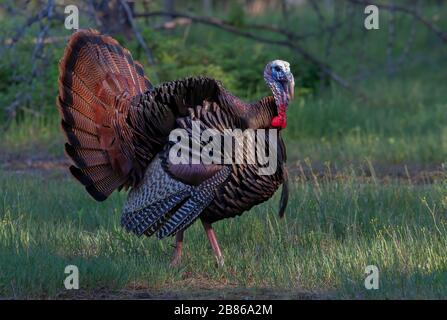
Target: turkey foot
214,244
177,258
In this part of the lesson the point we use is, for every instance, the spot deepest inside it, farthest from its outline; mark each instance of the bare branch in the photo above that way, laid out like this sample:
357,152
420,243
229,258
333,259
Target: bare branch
32,20
41,37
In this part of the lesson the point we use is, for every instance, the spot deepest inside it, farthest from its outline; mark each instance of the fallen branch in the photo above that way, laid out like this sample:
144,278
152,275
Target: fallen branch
290,41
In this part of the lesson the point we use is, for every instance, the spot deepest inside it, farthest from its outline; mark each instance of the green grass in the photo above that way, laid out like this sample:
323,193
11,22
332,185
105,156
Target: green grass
331,232
31,137
403,121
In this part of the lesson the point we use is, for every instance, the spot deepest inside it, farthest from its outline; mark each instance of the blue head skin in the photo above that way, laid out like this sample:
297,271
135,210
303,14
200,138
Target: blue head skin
280,79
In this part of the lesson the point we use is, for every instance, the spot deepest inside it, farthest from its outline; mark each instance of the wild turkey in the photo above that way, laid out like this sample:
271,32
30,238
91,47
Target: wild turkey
117,127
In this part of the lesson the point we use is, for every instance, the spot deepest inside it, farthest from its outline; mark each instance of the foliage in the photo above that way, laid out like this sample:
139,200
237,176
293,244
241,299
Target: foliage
236,62
236,14
16,80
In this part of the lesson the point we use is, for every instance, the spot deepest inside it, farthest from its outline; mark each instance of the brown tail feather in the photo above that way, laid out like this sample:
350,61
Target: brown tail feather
79,138
98,79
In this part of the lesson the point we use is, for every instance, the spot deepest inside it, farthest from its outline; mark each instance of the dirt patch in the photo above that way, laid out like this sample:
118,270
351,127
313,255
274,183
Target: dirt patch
41,164
411,173
35,164
195,293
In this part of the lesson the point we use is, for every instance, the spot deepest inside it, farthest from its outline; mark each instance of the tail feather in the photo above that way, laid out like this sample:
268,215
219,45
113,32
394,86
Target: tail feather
80,104
98,79
79,138
85,158
73,118
103,184
143,81
97,173
69,86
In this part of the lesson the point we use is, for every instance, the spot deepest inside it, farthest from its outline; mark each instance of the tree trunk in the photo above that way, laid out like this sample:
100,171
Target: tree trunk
169,6
207,7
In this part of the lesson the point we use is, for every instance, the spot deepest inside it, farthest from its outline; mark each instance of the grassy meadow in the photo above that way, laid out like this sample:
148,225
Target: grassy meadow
331,232
368,180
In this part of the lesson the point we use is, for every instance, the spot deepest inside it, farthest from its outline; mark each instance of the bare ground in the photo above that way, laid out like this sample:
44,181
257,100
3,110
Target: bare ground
412,173
194,293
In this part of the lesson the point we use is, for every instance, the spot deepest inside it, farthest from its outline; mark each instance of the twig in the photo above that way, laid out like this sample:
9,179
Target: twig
45,12
41,38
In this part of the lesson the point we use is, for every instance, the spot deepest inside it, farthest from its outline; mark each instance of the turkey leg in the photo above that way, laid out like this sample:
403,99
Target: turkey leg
177,258
214,244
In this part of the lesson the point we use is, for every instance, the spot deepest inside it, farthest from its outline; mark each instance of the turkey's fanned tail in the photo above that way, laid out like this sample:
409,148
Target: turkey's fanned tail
98,81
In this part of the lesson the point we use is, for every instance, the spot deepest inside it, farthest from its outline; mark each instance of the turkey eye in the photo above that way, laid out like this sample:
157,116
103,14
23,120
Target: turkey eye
277,69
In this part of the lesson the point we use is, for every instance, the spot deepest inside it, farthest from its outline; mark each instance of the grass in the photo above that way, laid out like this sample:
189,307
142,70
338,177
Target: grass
32,138
331,232
403,124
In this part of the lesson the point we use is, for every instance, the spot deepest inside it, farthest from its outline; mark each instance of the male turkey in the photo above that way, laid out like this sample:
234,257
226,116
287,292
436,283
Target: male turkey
117,127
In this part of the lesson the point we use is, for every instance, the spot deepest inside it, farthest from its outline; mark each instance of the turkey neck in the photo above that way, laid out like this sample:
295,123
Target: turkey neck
256,115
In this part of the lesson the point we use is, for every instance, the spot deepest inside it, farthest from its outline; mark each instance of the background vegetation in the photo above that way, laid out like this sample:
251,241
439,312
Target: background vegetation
366,137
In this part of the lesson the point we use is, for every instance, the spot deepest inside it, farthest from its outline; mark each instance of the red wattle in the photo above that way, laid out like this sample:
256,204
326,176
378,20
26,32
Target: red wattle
280,121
